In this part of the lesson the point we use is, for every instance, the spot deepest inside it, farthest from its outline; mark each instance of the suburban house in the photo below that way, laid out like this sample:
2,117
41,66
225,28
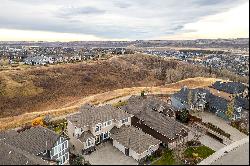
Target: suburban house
191,99
37,60
234,88
203,100
10,155
93,125
150,117
134,142
36,144
75,58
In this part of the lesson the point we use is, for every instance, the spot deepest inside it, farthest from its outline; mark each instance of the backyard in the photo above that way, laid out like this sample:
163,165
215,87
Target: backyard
58,126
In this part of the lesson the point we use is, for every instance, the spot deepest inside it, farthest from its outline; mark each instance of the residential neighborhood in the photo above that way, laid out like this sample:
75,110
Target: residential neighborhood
34,146
124,82
35,55
235,62
138,131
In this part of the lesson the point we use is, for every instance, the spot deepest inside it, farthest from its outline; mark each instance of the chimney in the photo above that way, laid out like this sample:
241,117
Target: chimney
185,88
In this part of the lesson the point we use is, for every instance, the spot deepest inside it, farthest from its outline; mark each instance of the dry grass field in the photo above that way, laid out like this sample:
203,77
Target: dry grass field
15,121
61,89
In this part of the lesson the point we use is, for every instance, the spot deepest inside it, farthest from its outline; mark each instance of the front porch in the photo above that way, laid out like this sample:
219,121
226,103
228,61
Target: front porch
99,140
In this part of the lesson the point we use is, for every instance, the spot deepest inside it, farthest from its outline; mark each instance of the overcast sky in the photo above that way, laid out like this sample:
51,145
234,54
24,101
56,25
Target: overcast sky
67,20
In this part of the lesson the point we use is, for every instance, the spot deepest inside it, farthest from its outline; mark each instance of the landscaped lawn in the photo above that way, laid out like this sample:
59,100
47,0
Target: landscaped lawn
202,151
166,159
59,125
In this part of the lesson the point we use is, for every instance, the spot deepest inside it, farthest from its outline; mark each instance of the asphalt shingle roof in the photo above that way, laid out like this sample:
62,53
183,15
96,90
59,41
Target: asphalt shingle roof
133,138
242,102
230,87
159,122
213,100
90,115
10,155
183,94
85,135
34,140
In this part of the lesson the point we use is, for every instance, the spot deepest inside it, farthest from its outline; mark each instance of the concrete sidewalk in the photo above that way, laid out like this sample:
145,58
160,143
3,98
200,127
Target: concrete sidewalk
217,155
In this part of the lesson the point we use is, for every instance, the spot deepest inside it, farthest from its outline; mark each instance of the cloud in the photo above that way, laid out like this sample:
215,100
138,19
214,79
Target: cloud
74,11
122,4
110,19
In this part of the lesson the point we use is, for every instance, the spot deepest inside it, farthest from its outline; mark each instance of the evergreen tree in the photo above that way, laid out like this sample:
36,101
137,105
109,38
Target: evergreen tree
230,109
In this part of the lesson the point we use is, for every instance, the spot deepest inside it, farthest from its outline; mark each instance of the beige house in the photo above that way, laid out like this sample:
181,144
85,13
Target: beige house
93,125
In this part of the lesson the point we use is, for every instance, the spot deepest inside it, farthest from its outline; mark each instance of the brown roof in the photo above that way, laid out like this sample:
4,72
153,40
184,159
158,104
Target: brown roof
10,155
143,109
133,138
90,115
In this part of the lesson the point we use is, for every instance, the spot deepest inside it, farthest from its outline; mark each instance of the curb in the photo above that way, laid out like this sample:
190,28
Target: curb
222,151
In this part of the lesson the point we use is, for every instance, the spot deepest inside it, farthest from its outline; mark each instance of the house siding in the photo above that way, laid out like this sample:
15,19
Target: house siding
132,153
146,153
119,146
60,151
74,133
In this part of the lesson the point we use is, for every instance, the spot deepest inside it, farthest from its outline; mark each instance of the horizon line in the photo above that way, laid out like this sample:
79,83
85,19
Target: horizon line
124,40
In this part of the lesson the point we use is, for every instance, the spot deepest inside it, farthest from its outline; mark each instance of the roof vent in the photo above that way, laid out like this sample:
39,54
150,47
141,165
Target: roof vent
9,152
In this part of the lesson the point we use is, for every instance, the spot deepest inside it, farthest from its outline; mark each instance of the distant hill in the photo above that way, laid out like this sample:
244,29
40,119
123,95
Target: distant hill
45,88
199,43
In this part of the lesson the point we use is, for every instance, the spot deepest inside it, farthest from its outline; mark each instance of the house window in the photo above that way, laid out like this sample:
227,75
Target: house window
106,135
63,159
124,120
66,144
55,150
66,156
89,142
109,122
98,128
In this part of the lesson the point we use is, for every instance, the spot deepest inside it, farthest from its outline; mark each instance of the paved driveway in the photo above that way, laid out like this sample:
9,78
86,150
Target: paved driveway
107,154
221,123
206,140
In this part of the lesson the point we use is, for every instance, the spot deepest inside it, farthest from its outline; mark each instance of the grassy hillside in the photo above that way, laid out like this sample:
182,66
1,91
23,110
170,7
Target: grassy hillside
109,97
46,88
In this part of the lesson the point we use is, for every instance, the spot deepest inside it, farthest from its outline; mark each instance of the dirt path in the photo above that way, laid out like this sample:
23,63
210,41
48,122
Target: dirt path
107,98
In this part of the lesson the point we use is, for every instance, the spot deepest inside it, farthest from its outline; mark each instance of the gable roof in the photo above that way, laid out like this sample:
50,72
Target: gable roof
133,138
217,102
34,140
11,155
230,87
86,135
153,119
183,94
90,115
214,101
150,102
